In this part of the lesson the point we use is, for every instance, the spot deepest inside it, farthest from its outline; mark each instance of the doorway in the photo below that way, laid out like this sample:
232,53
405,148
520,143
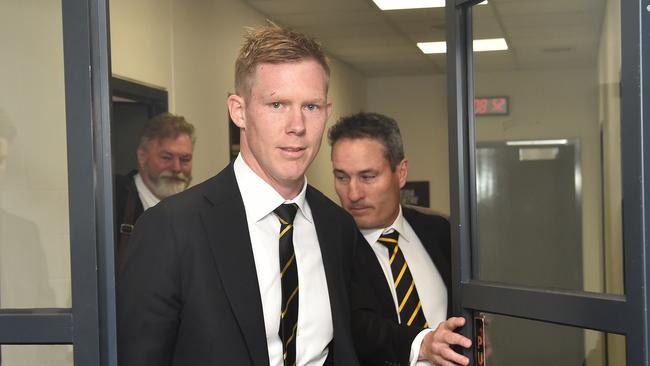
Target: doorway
548,232
133,103
528,204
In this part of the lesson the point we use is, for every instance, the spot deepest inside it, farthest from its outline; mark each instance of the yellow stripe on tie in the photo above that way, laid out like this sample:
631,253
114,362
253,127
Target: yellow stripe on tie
392,257
387,240
406,297
285,230
415,312
286,266
283,221
293,294
426,325
293,334
401,273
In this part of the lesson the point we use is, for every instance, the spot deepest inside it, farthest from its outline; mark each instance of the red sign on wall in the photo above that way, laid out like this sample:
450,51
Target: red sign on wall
491,106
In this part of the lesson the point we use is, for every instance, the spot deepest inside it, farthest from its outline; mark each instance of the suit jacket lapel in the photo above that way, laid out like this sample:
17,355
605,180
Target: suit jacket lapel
438,247
326,231
376,280
224,220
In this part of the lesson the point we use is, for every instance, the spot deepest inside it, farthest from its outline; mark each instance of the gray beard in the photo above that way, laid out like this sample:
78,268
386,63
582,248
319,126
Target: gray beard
168,184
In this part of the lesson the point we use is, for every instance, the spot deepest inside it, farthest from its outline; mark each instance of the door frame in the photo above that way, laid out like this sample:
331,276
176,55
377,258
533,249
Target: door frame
88,105
621,314
89,325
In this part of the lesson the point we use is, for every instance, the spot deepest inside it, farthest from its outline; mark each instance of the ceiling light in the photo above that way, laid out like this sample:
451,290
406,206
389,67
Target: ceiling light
433,47
480,45
412,4
537,142
492,44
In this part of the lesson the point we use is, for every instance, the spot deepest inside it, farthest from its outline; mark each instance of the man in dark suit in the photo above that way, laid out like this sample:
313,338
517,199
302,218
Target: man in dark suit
410,273
253,266
164,158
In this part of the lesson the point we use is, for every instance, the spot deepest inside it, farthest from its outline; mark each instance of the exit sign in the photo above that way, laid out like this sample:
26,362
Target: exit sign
491,106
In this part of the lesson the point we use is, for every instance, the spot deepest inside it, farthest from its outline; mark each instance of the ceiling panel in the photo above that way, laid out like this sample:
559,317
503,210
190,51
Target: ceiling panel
540,34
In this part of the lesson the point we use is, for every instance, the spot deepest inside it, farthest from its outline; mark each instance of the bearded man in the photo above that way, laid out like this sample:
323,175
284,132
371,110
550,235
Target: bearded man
164,168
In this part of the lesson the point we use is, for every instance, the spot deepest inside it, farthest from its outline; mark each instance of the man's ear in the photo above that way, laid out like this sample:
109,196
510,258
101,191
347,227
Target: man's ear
402,170
236,108
142,156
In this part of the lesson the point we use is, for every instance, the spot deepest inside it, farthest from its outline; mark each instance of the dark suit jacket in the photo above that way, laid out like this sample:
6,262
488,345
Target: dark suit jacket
189,295
374,301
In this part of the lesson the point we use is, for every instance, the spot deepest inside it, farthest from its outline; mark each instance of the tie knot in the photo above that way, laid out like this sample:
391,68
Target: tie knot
389,239
286,212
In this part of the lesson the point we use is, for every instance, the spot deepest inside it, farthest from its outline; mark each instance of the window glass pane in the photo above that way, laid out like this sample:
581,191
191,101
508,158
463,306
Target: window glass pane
548,178
37,355
34,234
542,344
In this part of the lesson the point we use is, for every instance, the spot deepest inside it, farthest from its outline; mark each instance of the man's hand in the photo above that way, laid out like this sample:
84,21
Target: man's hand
436,346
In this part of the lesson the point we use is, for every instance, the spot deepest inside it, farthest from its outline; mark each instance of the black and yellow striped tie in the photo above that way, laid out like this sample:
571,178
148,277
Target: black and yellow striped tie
289,280
410,308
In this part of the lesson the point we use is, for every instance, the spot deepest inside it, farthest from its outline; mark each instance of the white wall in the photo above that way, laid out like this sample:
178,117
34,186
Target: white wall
35,184
196,45
34,225
141,46
419,105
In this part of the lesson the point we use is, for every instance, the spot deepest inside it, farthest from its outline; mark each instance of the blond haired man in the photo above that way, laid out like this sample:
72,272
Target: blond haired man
223,273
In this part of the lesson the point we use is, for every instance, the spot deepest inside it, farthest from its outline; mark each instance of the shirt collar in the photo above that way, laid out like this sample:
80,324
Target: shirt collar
372,235
260,199
146,196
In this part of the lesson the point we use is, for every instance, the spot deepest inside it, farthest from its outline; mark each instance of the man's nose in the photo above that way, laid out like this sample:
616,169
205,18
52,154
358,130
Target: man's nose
297,122
176,166
355,192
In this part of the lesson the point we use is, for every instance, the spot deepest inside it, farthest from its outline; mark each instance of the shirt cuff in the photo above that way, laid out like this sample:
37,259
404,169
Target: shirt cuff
415,349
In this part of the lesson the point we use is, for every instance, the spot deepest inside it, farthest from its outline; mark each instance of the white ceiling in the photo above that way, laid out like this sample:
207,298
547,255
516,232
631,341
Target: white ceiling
547,34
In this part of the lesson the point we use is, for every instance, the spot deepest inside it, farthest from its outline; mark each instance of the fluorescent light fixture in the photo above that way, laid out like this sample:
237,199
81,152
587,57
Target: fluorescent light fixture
491,44
480,45
433,47
537,142
412,4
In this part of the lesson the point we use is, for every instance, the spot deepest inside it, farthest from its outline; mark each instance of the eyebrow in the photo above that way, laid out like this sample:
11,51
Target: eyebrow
317,101
365,171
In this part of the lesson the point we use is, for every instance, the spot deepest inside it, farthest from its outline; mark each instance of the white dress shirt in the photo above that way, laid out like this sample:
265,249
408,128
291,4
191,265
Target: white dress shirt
428,281
147,197
315,329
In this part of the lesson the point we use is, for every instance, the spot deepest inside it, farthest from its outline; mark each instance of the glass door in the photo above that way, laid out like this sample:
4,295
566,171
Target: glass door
56,281
547,204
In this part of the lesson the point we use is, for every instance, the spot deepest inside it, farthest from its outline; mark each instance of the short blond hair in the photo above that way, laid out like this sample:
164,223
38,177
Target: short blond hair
274,45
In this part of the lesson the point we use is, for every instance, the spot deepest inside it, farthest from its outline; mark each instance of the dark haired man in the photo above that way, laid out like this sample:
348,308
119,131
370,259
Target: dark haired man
409,278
